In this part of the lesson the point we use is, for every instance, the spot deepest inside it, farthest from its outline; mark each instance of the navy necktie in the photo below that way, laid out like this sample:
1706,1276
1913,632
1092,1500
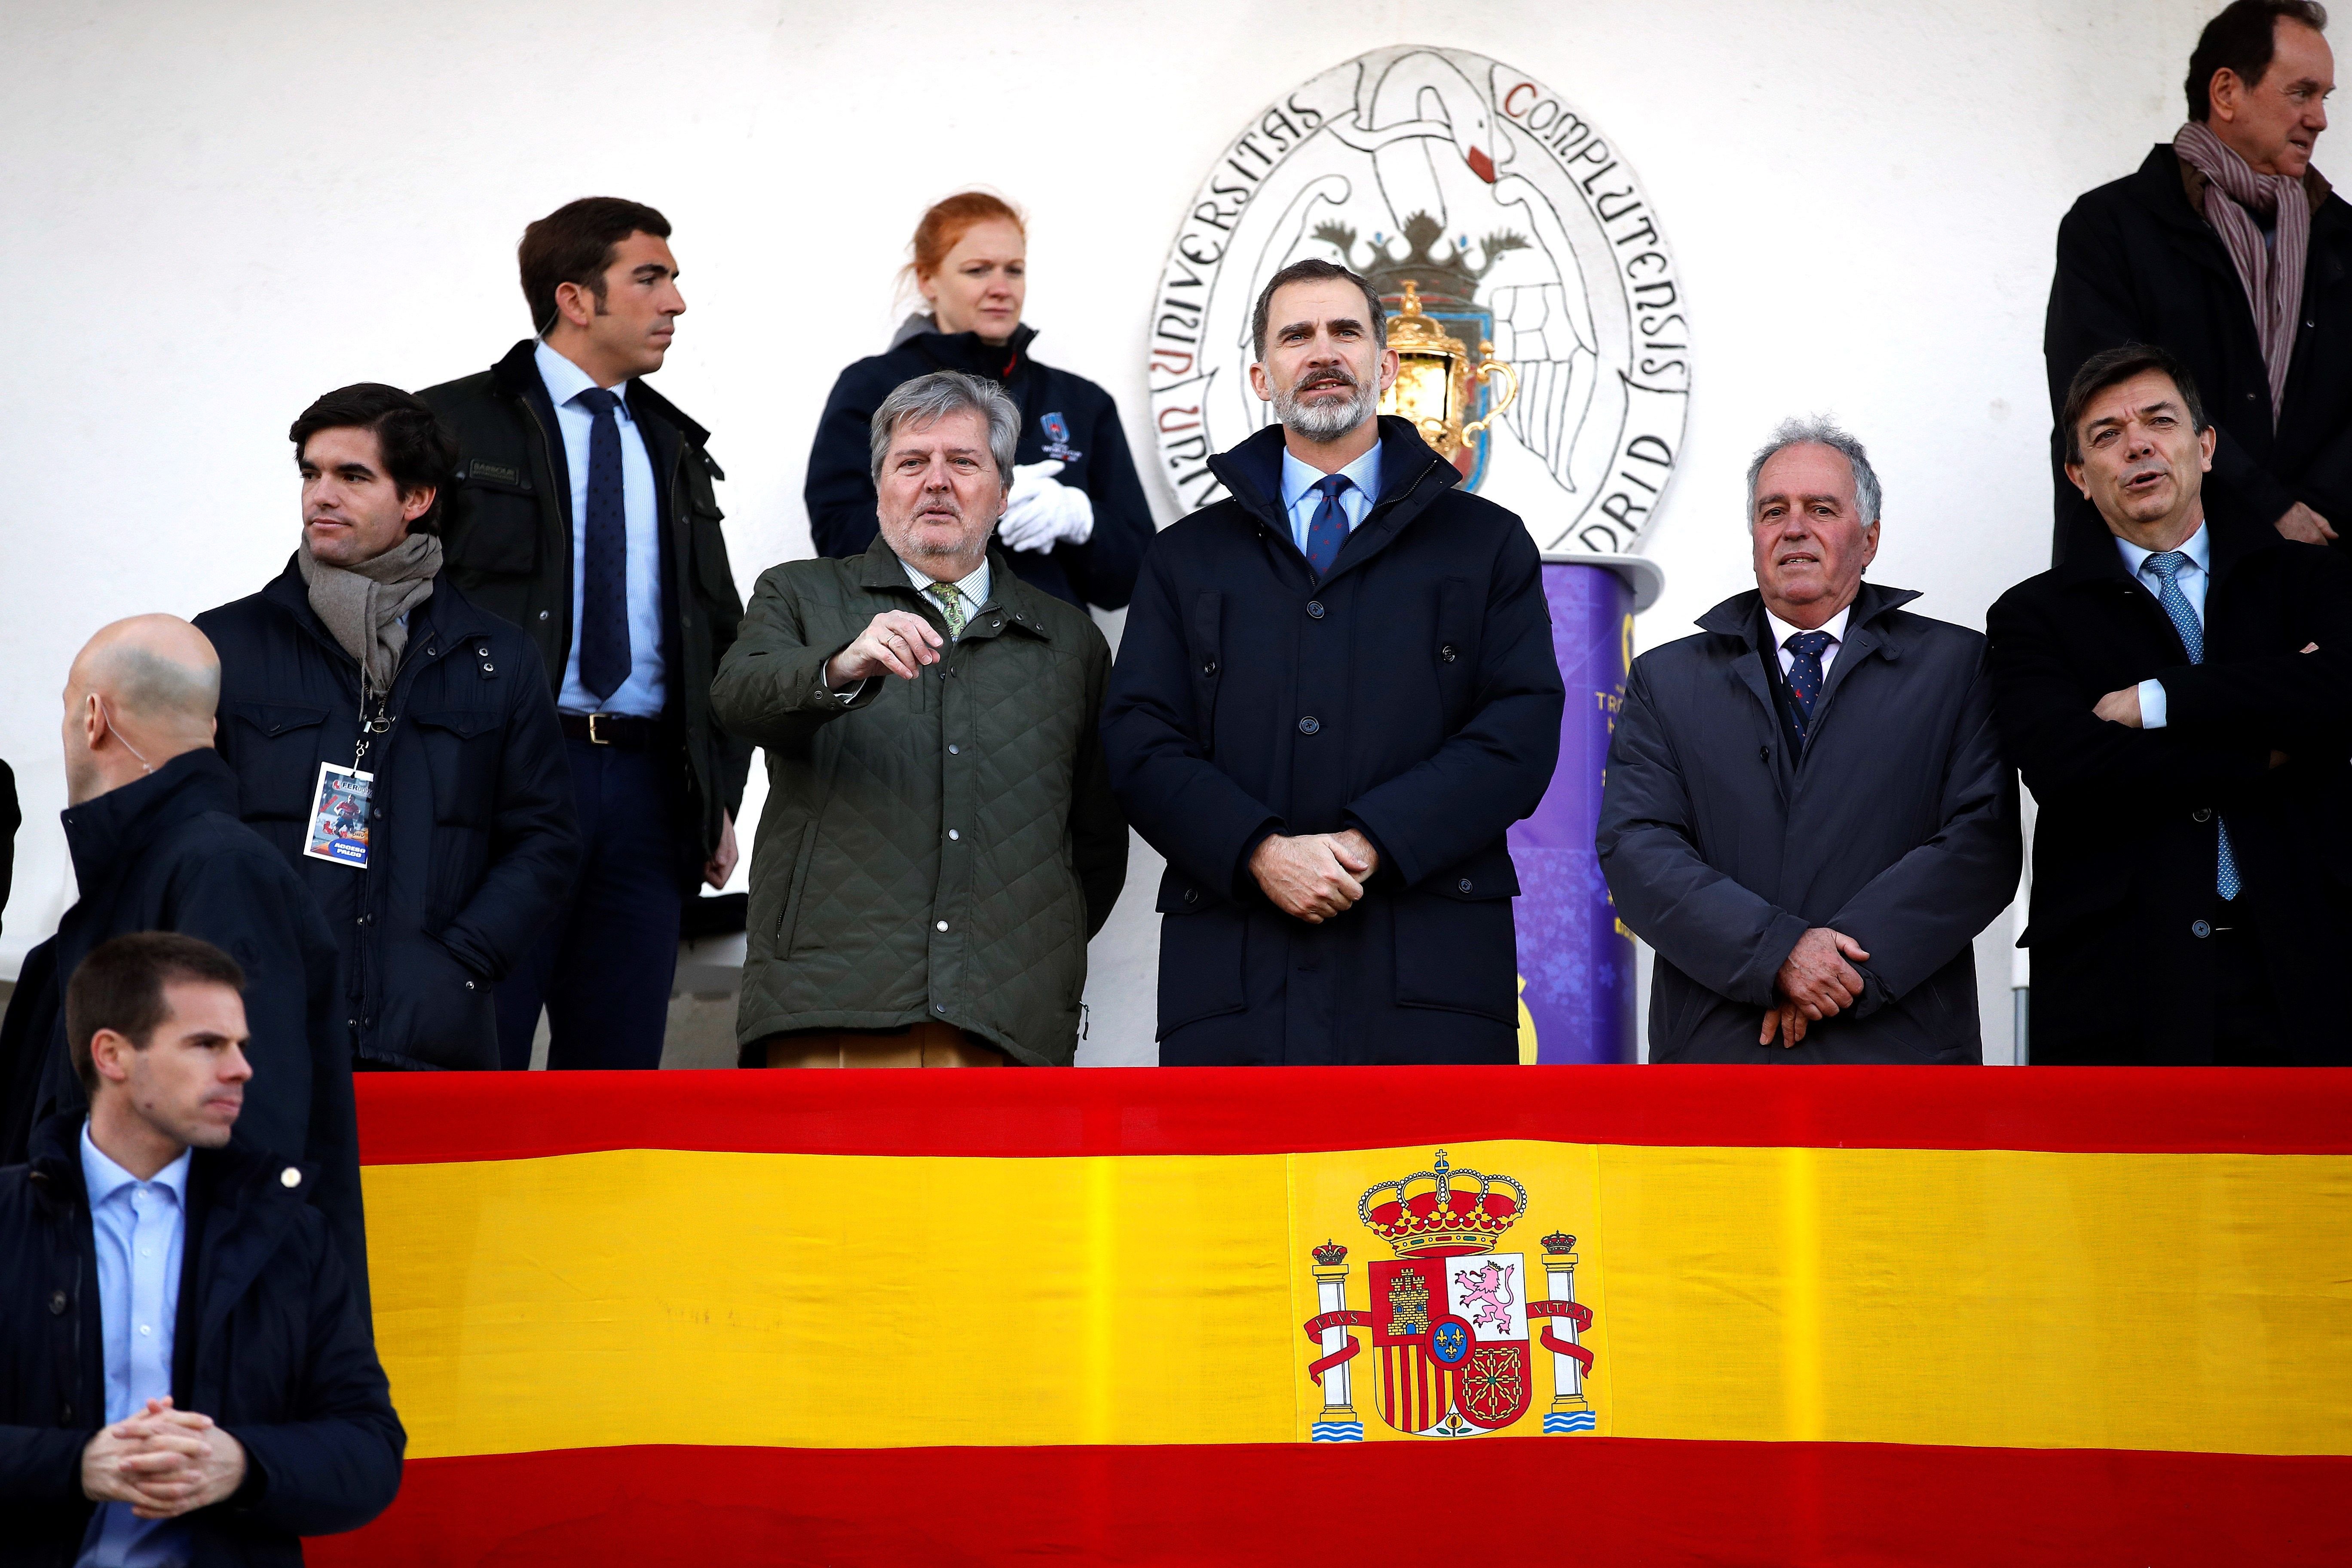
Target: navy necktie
2166,567
1805,674
603,630
1329,530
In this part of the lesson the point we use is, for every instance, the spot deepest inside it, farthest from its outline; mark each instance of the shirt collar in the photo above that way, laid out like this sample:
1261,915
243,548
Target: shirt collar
102,1178
2197,547
1782,631
974,588
1298,478
566,380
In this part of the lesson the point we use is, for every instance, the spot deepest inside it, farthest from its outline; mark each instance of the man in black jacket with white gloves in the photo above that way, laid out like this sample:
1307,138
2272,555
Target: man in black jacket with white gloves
2178,695
186,1373
1334,692
395,743
1807,814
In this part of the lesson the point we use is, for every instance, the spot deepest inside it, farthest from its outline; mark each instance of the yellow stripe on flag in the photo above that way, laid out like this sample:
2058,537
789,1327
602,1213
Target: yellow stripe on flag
1903,1296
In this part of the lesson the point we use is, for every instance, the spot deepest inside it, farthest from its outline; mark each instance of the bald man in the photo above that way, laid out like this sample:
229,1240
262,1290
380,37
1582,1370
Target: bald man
157,846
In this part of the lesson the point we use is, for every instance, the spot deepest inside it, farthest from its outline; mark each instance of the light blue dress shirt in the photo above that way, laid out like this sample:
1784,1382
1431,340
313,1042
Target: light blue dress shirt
1301,500
643,693
2193,579
141,1231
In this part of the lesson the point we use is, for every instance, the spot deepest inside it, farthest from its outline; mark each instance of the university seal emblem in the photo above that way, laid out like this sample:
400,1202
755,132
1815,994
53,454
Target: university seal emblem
1449,1315
1511,242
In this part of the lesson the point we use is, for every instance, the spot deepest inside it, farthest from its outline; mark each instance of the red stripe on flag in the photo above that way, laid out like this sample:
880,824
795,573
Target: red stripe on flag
423,1118
1574,1498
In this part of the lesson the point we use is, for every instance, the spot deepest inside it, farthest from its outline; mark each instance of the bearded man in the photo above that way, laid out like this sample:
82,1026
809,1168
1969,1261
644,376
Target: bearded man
1335,691
939,839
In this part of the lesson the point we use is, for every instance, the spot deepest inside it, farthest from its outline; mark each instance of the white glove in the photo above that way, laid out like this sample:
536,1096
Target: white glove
1042,512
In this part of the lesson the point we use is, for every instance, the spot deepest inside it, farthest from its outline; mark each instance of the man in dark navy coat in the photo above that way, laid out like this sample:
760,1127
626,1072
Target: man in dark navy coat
2178,695
1806,813
364,655
1334,692
186,1372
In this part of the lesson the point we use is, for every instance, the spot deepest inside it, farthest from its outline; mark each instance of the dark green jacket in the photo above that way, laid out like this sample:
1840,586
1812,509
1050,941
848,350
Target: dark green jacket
509,547
938,850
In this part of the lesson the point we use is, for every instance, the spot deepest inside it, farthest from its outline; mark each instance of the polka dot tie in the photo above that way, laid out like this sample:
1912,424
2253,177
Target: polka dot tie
604,634
2165,569
1805,649
1329,530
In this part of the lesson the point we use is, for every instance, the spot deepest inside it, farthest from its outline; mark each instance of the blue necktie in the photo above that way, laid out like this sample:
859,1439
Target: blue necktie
1805,674
2167,568
1330,529
605,573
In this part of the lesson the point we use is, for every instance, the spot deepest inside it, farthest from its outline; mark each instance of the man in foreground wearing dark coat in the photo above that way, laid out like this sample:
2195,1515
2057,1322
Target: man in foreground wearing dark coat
2178,697
587,517
157,846
362,656
2229,249
186,1373
1807,815
1334,692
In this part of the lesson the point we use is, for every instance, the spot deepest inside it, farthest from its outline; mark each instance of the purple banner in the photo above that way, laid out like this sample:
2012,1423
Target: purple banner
1576,962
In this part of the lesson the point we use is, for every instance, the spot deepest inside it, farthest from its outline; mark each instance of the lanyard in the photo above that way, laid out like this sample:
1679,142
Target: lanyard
376,723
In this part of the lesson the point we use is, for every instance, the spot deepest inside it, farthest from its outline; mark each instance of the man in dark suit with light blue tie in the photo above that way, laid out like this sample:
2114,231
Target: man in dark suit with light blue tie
587,517
2179,697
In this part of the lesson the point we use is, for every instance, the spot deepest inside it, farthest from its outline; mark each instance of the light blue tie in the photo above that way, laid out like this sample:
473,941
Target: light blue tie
2167,568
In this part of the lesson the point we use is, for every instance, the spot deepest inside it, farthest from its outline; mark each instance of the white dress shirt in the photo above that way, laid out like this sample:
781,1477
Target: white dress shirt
643,692
1301,500
140,1229
1782,631
2193,578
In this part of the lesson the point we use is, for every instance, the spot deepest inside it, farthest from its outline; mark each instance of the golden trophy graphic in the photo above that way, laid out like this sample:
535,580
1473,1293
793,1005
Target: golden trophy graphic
1435,374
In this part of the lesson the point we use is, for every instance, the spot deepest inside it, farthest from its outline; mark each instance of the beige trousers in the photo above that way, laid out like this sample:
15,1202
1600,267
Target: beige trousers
924,1044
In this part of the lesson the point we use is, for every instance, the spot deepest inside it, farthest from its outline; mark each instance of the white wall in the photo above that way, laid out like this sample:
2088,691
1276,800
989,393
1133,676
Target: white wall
218,211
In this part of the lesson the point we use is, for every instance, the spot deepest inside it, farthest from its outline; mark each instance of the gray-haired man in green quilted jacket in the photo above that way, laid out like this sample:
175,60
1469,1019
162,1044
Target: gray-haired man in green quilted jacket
939,838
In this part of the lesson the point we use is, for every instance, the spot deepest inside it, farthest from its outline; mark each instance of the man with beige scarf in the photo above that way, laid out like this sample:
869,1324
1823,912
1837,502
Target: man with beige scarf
396,745
2229,250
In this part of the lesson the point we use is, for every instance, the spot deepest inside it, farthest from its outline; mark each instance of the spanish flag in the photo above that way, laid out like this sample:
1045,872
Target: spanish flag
1728,1315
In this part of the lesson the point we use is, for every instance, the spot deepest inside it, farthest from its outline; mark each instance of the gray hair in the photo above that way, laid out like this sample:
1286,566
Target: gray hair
1819,430
927,399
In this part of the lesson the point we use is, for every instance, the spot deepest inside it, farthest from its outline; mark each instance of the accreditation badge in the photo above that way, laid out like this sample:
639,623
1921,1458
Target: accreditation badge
339,816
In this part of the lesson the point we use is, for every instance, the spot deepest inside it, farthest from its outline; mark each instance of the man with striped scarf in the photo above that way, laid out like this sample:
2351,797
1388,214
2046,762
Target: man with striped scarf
2229,250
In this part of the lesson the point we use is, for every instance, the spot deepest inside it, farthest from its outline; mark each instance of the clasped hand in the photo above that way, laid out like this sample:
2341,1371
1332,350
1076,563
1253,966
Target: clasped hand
1316,876
1814,982
163,1462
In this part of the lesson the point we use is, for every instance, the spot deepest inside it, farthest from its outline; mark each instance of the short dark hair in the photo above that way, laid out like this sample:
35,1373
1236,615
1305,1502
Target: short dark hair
2242,38
419,449
1307,271
119,986
574,244
2112,367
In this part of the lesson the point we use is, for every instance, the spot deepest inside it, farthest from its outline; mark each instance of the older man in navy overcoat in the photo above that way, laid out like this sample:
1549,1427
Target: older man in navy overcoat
1334,692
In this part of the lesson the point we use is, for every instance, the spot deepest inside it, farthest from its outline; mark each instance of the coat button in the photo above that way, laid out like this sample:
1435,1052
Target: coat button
2200,928
290,1177
1191,895
1309,725
943,925
2202,813
1463,885
953,834
1446,653
1314,608
542,615
57,1304
1209,666
951,751
489,670
469,985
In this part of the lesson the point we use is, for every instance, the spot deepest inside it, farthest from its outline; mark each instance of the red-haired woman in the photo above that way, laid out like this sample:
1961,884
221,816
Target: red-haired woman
1077,522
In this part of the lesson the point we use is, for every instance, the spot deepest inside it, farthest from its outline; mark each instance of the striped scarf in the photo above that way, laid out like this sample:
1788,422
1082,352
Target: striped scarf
2271,274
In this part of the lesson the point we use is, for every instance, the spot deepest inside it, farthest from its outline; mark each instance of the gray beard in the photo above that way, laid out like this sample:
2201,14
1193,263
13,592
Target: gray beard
1325,421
